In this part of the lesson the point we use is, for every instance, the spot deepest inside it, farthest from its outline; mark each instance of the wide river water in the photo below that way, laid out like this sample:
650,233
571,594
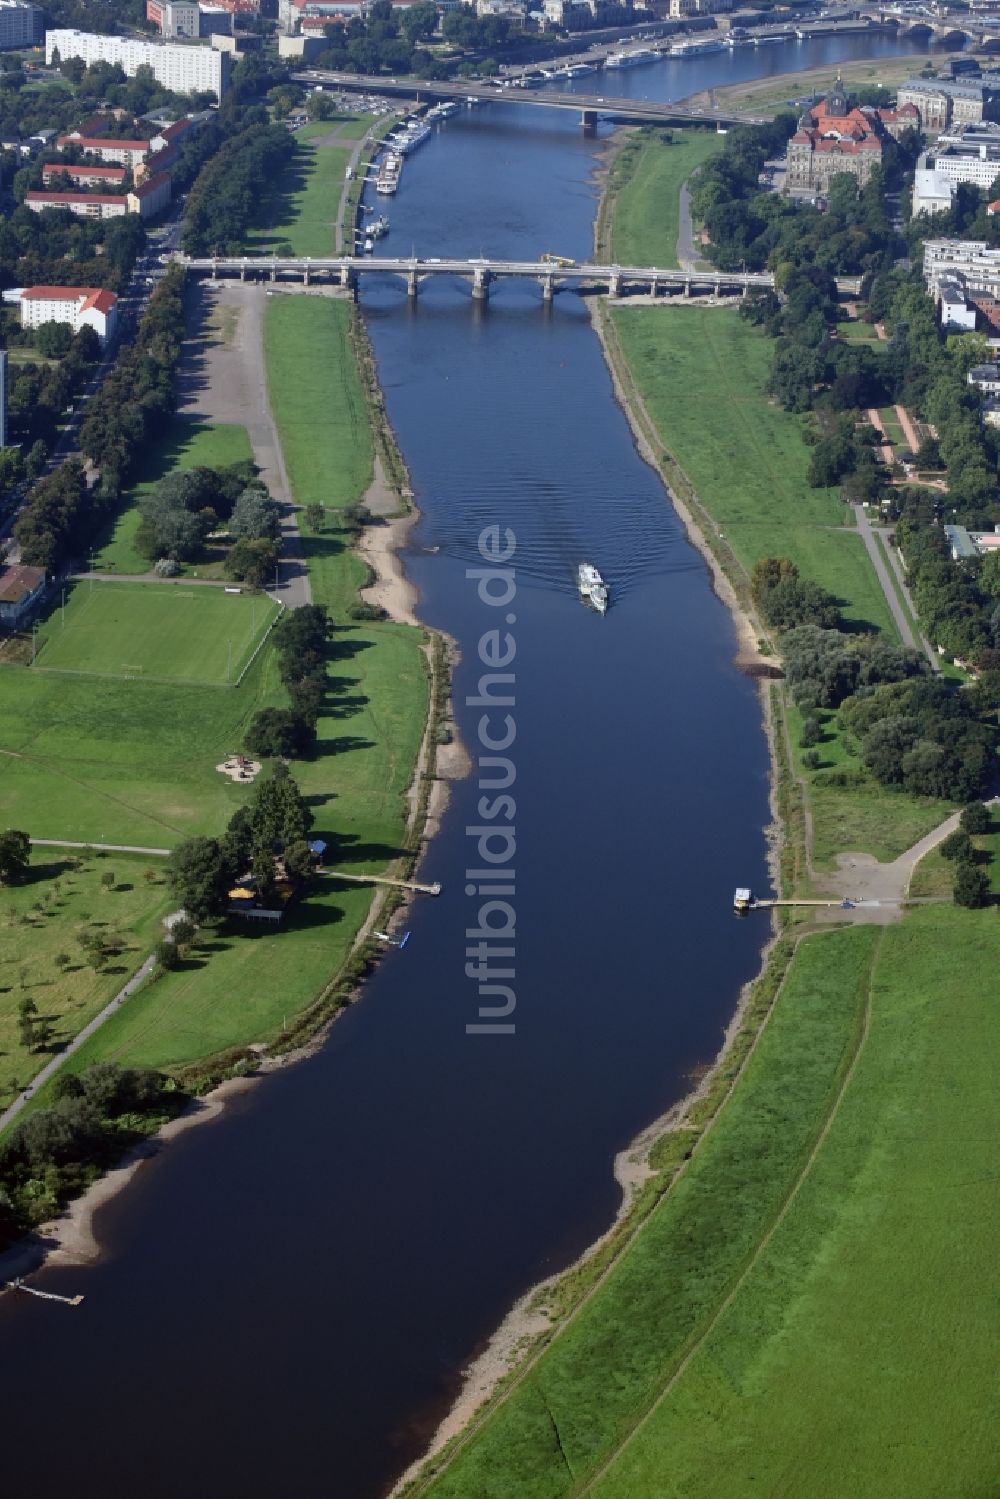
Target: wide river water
289,1294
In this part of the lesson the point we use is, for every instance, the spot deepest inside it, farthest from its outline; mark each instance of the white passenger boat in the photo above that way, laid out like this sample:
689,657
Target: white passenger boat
593,589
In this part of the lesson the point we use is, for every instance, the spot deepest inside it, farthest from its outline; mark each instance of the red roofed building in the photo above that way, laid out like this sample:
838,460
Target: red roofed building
79,306
19,588
992,208
150,195
831,139
87,205
125,153
97,175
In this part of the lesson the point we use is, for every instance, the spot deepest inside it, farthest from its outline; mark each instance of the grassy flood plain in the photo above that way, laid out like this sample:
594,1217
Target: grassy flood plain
40,925
651,169
837,1304
133,761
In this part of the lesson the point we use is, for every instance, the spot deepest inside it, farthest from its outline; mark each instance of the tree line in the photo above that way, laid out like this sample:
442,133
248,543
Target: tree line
301,640
913,731
226,195
55,1153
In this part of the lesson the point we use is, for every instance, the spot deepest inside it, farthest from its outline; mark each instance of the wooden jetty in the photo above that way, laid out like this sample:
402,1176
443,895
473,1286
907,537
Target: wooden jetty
745,900
19,1285
384,879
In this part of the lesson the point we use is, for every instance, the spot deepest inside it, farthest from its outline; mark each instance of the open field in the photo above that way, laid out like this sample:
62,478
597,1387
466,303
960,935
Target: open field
113,761
703,375
187,444
647,208
825,1260
40,924
857,1357
770,95
303,211
156,631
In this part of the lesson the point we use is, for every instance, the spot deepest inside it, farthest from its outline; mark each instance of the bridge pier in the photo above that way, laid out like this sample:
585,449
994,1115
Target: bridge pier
654,287
346,279
687,288
274,273
614,285
480,284
411,283
547,288
588,119
243,273
305,275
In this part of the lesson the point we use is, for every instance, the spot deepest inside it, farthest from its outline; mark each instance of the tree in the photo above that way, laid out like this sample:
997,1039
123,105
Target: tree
972,887
53,339
255,515
277,812
15,852
975,818
167,955
252,562
199,876
315,516
278,732
957,846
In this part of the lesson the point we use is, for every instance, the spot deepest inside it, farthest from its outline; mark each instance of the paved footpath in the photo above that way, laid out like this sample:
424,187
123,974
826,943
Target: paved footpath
111,848
50,1068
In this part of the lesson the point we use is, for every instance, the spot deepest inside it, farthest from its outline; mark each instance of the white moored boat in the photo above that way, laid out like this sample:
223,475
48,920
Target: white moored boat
592,587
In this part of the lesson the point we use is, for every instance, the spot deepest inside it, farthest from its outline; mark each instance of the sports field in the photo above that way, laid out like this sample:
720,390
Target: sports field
157,632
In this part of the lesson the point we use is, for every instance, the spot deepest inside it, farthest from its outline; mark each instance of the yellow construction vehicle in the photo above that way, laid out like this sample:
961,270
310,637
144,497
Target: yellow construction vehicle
549,259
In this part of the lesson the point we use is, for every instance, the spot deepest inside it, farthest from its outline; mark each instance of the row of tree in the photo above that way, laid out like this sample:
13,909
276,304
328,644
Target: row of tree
227,193
302,642
136,401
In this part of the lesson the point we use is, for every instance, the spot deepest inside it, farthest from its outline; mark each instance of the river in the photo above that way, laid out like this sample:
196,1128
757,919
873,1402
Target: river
289,1295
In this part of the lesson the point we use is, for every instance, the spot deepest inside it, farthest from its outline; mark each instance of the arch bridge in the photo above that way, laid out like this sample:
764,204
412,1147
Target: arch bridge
347,270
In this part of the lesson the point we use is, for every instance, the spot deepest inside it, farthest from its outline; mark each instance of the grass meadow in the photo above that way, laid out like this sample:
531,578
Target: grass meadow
155,631
41,956
825,1260
647,209
703,374
302,211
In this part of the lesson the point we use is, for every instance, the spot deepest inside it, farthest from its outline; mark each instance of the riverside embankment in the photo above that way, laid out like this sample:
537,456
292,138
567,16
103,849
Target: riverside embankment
373,1212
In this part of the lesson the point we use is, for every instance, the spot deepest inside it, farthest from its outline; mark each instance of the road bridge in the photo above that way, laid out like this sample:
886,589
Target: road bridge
347,270
590,107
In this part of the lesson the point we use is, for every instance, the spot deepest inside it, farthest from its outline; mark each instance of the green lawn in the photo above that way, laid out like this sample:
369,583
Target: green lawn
42,920
156,631
302,211
112,761
861,814
844,1346
703,374
189,443
859,1356
647,208
319,407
